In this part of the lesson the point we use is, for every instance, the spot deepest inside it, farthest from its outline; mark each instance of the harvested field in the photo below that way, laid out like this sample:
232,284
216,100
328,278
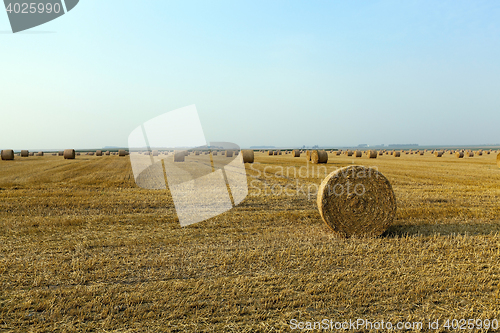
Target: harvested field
82,248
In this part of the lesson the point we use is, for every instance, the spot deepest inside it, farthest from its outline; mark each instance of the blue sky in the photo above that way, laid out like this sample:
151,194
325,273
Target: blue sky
283,73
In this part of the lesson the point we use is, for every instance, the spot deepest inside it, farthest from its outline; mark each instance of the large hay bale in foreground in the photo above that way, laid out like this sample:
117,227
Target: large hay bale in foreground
357,201
296,153
179,156
498,160
122,152
319,157
25,153
7,155
248,156
373,154
69,154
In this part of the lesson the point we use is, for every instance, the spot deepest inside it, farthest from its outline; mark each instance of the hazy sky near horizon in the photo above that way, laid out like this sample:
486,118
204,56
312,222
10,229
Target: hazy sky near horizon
282,73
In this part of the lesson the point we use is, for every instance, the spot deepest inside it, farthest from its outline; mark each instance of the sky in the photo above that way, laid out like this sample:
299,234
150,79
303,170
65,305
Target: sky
280,73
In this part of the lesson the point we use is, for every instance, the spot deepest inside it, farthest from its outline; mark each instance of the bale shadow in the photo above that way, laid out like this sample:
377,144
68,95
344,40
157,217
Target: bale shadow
472,229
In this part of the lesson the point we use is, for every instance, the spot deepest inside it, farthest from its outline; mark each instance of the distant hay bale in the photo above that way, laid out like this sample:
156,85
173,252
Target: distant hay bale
91,153
32,154
69,154
381,153
438,153
7,155
229,153
179,156
270,152
40,153
470,154
459,154
214,153
196,153
248,156
77,154
338,153
222,153
319,157
372,154
397,154
358,153
421,153
107,153
98,153
356,201
25,153
279,152
296,153
349,153
122,152
480,153
275,152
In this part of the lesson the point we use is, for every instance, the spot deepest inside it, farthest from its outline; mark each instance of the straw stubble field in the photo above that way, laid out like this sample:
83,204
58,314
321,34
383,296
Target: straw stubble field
83,248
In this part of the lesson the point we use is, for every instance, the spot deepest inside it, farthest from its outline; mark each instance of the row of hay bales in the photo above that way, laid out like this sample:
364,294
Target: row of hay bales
8,154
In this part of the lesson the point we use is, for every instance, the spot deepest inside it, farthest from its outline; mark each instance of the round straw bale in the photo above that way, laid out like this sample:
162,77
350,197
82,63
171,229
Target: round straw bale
122,152
60,153
91,153
438,153
470,154
25,153
77,154
498,160
279,152
40,153
319,156
248,156
179,156
358,153
196,153
32,153
229,153
296,153
349,153
380,153
7,155
107,153
397,154
69,154
373,154
480,153
338,153
223,153
459,154
308,155
98,153
214,153
356,200
270,152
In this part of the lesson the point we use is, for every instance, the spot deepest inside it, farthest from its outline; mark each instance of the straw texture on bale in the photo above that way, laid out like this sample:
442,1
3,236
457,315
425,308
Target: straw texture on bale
179,156
69,154
498,160
248,156
98,153
308,155
349,153
107,153
459,154
438,153
7,155
25,153
373,154
356,201
296,153
40,153
319,156
397,154
122,152
358,154
229,153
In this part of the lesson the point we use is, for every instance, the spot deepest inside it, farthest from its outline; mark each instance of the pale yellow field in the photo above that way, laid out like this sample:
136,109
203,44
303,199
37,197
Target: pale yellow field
82,248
